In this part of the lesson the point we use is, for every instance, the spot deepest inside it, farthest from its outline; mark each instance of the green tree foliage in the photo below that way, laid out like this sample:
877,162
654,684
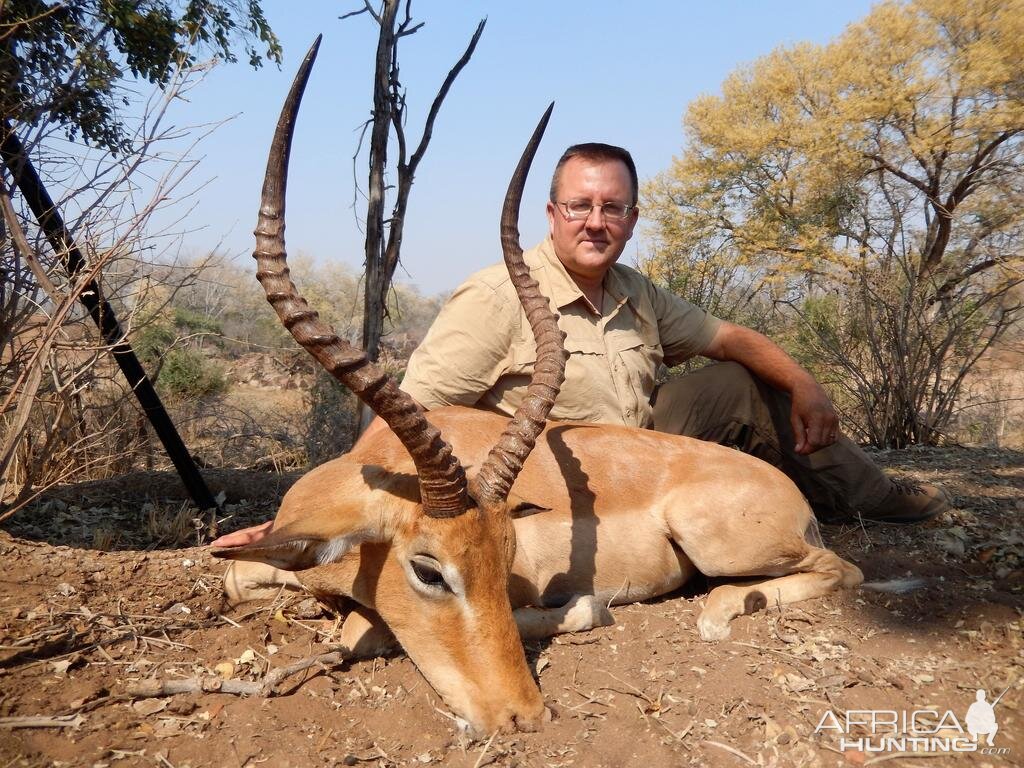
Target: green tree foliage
64,62
875,185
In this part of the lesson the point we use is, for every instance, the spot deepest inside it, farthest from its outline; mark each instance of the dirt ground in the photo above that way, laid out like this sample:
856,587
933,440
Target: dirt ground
98,593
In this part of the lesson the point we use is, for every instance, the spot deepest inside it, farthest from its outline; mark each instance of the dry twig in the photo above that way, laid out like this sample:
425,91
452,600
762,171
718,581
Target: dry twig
212,684
730,750
42,721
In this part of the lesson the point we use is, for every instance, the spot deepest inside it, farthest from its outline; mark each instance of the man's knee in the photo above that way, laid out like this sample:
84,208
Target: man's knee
706,399
730,378
723,383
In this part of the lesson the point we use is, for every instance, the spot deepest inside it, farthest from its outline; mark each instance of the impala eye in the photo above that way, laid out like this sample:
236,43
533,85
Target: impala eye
428,571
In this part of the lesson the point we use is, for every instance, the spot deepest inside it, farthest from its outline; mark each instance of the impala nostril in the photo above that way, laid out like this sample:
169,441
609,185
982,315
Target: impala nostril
531,723
527,726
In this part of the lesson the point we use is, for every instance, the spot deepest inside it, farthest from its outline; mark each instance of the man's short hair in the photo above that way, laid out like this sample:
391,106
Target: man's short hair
596,152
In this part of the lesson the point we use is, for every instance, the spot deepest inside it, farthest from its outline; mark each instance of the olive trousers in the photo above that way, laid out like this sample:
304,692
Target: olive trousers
724,403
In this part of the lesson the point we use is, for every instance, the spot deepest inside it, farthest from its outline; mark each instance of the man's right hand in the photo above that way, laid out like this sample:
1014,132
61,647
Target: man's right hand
244,536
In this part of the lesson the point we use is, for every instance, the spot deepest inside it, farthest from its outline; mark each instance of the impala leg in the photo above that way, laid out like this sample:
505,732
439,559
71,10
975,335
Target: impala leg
245,581
366,635
815,574
581,613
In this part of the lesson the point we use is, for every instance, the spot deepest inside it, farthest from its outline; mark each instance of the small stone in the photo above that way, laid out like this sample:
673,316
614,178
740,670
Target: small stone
784,738
182,707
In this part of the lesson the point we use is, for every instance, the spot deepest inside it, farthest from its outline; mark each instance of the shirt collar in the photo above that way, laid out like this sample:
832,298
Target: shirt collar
557,284
560,288
614,287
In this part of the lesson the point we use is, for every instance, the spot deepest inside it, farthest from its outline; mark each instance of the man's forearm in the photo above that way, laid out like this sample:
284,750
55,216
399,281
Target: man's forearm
758,354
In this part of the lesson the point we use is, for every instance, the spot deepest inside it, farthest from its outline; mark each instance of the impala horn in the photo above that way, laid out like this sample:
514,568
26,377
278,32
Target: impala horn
441,477
493,482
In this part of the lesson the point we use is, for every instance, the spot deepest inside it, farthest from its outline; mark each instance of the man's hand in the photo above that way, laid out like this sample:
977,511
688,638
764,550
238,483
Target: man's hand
244,536
814,420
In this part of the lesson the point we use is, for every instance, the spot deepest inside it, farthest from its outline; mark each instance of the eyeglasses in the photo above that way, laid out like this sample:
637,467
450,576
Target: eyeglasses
580,209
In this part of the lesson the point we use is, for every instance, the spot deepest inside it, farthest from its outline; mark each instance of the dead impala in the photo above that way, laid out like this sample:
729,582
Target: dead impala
462,557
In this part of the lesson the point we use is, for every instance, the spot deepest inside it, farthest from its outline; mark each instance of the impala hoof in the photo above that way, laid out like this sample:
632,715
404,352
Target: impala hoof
710,630
588,612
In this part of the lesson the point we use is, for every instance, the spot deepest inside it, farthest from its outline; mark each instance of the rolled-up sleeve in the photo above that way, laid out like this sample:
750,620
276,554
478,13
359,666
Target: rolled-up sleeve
685,330
466,349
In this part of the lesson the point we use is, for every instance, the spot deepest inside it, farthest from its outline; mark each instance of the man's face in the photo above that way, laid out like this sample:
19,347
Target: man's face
588,247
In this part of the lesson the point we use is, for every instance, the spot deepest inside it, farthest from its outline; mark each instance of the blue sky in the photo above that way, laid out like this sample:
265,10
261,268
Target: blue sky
618,72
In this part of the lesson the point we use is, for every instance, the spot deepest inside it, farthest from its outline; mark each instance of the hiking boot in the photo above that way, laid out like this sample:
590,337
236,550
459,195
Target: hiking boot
909,502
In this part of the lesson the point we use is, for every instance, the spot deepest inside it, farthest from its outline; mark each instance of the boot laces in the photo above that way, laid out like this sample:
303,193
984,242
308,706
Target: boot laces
905,487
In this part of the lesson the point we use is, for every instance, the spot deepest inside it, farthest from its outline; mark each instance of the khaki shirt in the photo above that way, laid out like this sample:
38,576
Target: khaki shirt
480,350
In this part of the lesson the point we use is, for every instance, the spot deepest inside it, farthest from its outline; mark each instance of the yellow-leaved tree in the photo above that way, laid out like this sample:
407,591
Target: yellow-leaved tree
872,188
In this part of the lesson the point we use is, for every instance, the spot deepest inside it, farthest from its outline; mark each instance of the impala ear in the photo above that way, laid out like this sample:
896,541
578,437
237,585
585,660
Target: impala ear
291,550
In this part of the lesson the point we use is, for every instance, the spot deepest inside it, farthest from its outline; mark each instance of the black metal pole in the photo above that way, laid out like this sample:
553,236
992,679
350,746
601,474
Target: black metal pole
51,222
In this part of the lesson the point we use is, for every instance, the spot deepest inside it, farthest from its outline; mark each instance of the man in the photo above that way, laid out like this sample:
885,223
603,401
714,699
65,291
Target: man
619,329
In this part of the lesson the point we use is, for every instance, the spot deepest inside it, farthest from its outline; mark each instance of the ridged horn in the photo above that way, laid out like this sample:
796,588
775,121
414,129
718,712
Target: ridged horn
494,480
441,477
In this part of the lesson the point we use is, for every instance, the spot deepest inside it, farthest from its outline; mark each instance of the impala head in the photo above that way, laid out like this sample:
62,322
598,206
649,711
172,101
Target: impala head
407,534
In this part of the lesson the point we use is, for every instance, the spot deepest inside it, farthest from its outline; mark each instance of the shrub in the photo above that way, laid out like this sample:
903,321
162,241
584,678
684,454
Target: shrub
187,373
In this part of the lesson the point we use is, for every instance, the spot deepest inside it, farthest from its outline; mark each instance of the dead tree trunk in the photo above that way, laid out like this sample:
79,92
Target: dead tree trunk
384,236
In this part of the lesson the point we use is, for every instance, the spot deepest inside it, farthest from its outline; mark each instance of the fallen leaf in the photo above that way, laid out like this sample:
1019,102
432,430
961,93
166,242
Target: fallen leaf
794,683
147,707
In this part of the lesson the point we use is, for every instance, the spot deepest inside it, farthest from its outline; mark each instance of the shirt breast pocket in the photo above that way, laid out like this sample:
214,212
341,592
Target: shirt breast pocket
639,356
